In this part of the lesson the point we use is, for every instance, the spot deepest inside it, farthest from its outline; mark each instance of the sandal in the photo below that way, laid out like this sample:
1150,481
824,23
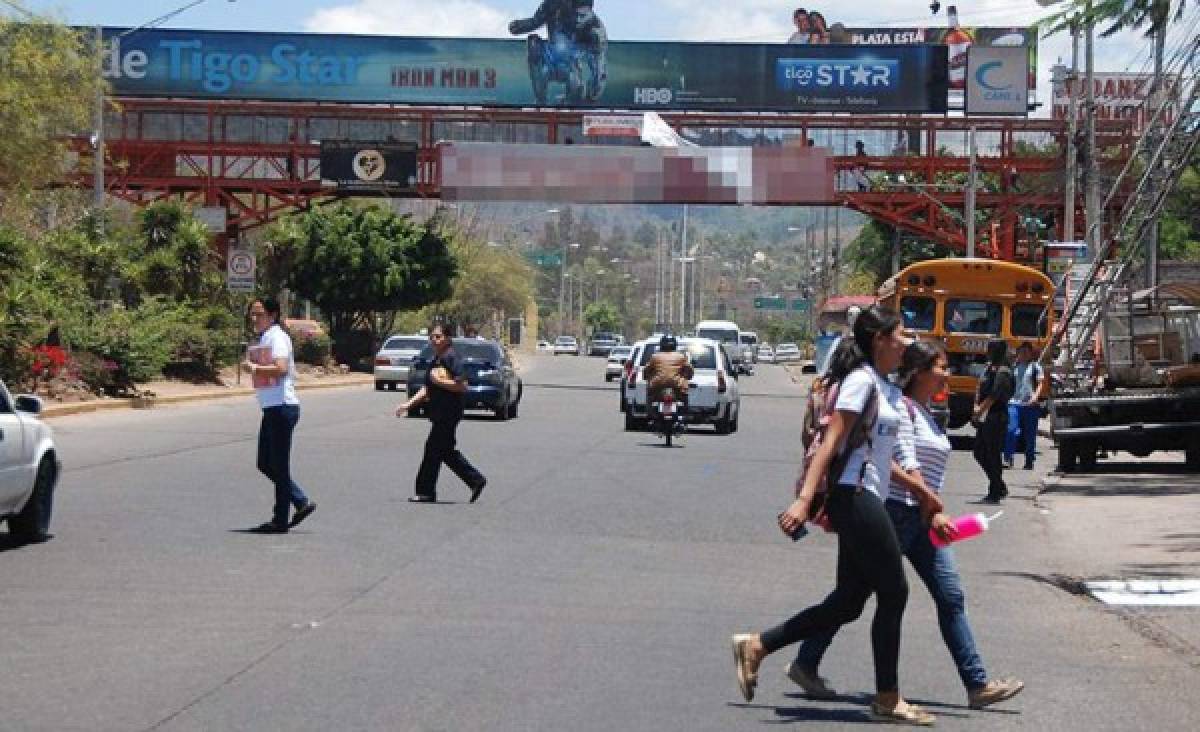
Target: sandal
747,670
907,714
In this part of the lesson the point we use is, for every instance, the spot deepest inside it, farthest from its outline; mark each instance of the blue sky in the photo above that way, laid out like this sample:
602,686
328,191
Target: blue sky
679,20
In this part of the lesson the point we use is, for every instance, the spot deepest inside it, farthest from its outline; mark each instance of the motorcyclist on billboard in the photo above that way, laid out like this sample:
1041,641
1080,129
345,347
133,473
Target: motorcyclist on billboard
574,52
668,369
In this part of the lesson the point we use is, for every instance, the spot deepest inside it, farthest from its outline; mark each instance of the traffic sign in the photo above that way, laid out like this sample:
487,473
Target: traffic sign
545,258
770,303
239,271
800,305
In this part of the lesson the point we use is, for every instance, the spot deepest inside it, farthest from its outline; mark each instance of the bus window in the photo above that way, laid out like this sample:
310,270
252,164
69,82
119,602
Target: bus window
1029,321
918,312
973,316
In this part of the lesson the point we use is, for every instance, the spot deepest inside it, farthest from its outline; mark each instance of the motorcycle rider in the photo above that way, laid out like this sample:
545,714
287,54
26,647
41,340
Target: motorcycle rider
668,369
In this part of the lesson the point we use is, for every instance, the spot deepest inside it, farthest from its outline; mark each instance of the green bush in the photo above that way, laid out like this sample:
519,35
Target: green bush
136,344
313,348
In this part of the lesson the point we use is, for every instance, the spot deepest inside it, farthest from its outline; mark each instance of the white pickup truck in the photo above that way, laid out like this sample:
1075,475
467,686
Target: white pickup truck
29,468
713,396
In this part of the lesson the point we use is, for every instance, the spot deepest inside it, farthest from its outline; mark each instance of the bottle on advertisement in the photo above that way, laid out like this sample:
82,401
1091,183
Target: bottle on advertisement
958,41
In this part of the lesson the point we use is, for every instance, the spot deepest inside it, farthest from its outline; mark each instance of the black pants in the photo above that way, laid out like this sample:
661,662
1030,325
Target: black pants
440,447
869,561
989,444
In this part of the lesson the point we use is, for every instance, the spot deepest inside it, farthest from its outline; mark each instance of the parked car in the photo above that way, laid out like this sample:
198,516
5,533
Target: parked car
615,365
787,352
394,360
765,354
29,467
545,346
601,344
566,345
713,394
492,382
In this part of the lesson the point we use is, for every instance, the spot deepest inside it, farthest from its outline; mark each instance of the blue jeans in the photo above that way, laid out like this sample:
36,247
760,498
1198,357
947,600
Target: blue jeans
1022,420
936,569
275,455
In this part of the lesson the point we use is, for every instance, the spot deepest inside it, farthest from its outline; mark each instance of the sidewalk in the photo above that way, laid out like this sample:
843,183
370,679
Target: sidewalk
1135,519
178,392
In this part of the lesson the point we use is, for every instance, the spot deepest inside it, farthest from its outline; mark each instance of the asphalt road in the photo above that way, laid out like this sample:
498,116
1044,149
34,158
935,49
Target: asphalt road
593,587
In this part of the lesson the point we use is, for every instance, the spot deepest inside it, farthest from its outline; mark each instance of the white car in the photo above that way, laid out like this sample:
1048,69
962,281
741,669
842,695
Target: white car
787,352
394,360
546,346
765,354
566,345
713,395
29,468
616,362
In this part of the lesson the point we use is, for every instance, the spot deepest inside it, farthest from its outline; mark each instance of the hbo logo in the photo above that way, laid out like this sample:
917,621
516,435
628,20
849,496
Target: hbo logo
650,95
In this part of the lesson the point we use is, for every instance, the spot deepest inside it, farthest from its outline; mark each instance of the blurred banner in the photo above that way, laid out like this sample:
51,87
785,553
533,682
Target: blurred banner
481,171
528,72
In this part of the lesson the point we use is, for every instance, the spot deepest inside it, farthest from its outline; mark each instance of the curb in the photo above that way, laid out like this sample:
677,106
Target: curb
67,410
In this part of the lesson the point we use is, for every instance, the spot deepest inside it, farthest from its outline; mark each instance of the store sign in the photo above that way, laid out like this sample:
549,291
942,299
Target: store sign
1120,96
526,72
369,167
997,81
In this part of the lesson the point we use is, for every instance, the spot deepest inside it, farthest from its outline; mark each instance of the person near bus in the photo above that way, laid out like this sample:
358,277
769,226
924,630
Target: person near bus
869,558
991,418
1024,410
914,505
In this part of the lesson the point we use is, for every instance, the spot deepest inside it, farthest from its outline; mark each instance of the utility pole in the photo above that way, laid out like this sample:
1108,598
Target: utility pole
1154,99
972,173
1094,235
683,252
99,155
1072,81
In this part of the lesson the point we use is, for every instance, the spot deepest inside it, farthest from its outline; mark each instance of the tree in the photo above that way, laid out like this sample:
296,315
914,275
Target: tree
48,79
358,262
602,317
871,252
1153,15
491,283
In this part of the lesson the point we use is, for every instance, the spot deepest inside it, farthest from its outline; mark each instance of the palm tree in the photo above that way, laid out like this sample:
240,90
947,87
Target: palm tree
1121,15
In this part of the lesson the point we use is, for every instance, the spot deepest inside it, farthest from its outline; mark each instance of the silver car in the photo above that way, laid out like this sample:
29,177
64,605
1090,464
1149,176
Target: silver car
615,365
394,360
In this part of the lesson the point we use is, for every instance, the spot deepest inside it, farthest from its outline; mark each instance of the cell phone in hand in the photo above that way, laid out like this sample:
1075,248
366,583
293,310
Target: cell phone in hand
800,532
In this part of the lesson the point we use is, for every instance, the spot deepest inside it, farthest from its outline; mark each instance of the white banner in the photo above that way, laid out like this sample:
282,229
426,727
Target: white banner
1120,96
612,125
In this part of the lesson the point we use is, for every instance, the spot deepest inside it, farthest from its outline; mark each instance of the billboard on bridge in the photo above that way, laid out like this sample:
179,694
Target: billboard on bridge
521,73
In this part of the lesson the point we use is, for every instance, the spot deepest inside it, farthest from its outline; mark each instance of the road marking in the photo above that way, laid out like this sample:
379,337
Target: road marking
1146,592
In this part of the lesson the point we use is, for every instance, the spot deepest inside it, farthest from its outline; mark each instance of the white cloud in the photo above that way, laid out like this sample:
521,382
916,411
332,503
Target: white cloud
412,18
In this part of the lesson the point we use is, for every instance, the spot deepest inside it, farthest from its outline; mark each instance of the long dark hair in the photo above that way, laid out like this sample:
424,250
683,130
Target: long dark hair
919,357
271,305
854,352
997,352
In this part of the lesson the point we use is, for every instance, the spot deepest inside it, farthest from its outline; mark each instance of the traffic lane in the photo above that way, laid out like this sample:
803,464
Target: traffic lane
566,596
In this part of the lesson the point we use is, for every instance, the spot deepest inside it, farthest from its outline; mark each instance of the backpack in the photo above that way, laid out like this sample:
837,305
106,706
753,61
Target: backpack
821,404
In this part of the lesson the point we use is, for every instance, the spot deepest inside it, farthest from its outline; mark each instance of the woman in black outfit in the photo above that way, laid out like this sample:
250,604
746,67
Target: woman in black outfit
991,417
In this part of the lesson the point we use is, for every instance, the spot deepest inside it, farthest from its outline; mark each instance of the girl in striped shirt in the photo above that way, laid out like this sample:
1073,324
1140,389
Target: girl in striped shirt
914,505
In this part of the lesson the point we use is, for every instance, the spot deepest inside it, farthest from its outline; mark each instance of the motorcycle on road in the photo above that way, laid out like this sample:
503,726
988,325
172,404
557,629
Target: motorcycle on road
668,416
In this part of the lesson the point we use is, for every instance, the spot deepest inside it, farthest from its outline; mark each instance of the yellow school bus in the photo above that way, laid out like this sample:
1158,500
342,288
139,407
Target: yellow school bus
964,303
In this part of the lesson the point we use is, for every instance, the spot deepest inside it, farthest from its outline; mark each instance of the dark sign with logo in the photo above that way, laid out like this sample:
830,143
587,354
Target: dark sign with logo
528,72
370,167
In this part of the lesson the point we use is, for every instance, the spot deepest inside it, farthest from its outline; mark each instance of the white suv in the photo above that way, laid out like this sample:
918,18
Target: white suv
713,396
29,468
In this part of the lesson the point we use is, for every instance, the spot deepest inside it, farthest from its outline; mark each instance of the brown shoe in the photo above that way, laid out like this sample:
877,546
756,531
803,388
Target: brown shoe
746,665
902,713
993,692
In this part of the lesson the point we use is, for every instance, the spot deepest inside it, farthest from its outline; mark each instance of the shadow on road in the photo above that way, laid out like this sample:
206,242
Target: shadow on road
1128,479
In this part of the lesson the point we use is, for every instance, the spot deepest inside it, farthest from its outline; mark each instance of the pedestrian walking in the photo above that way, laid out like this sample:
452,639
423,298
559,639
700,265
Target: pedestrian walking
869,559
1024,410
443,392
914,505
272,370
991,418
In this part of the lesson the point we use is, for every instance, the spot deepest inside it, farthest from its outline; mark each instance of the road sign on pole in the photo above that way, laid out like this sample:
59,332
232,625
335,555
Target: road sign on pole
770,303
800,305
240,270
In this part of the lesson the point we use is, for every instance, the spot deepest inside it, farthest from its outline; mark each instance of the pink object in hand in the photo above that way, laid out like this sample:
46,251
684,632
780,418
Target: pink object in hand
967,526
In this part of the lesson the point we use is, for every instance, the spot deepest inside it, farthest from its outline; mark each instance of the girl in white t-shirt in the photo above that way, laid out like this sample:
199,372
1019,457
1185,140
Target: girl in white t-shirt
869,558
272,370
